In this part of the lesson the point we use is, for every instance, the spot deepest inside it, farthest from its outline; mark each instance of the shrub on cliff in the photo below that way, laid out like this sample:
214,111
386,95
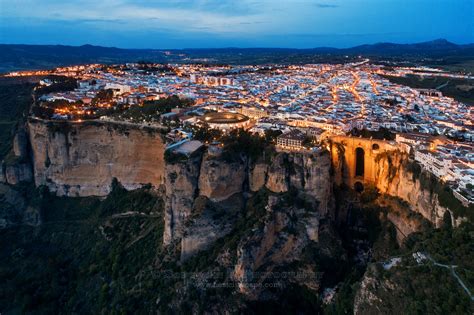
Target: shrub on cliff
206,134
15,101
152,110
122,200
369,194
172,157
241,142
60,84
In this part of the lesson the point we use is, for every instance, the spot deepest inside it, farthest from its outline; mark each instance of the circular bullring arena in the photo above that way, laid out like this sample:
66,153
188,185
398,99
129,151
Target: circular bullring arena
225,120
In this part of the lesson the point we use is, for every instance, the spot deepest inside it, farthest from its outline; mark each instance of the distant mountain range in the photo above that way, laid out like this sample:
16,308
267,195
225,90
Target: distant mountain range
18,57
435,47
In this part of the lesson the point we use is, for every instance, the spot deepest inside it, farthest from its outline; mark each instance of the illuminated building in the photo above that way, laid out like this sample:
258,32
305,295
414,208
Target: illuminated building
225,120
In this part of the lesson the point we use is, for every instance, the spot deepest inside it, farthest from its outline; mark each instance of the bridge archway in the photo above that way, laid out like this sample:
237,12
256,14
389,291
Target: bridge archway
355,159
359,187
359,162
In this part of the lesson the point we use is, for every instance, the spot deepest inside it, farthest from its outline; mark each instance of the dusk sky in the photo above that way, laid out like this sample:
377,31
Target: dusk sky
234,23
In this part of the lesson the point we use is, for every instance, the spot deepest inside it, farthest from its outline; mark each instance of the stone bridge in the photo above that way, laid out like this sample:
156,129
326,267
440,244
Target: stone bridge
354,159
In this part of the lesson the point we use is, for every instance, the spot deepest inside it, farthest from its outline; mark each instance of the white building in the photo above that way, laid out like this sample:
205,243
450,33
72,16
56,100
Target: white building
435,162
118,88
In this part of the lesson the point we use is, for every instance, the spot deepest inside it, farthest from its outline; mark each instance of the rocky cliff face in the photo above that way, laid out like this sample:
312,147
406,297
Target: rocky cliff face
201,177
402,217
285,233
258,176
82,159
217,181
277,176
309,173
181,190
15,210
393,178
209,222
16,168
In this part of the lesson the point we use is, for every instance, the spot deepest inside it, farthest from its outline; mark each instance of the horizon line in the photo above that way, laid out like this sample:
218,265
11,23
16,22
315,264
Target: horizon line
247,47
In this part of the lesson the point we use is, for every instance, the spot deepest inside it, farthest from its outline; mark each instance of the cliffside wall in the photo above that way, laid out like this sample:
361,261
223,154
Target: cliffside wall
309,173
395,178
16,167
217,180
181,185
81,159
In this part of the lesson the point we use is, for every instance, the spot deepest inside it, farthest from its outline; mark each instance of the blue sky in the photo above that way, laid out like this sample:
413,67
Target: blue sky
234,23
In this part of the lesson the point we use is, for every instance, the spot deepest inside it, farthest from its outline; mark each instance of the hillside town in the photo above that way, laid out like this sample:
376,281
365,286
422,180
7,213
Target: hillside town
304,104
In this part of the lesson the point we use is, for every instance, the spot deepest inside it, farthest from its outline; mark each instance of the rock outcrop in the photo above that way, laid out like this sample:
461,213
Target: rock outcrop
18,172
16,167
217,180
309,173
15,210
81,159
258,176
278,174
211,221
393,178
366,297
285,233
220,179
312,174
181,190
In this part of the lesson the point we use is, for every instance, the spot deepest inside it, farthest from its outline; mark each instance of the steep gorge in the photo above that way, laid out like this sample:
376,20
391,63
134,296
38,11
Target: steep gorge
207,213
81,159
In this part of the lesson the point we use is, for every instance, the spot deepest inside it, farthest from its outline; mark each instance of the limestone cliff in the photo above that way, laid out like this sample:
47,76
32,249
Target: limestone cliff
394,178
210,221
216,180
201,176
15,209
285,233
309,173
181,184
219,179
81,159
278,174
16,167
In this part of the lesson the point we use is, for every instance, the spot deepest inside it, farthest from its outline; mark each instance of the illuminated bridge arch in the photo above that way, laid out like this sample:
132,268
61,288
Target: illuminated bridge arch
355,159
359,162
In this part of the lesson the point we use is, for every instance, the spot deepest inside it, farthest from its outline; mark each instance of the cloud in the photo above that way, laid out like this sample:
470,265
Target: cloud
166,23
221,7
326,5
110,21
215,16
